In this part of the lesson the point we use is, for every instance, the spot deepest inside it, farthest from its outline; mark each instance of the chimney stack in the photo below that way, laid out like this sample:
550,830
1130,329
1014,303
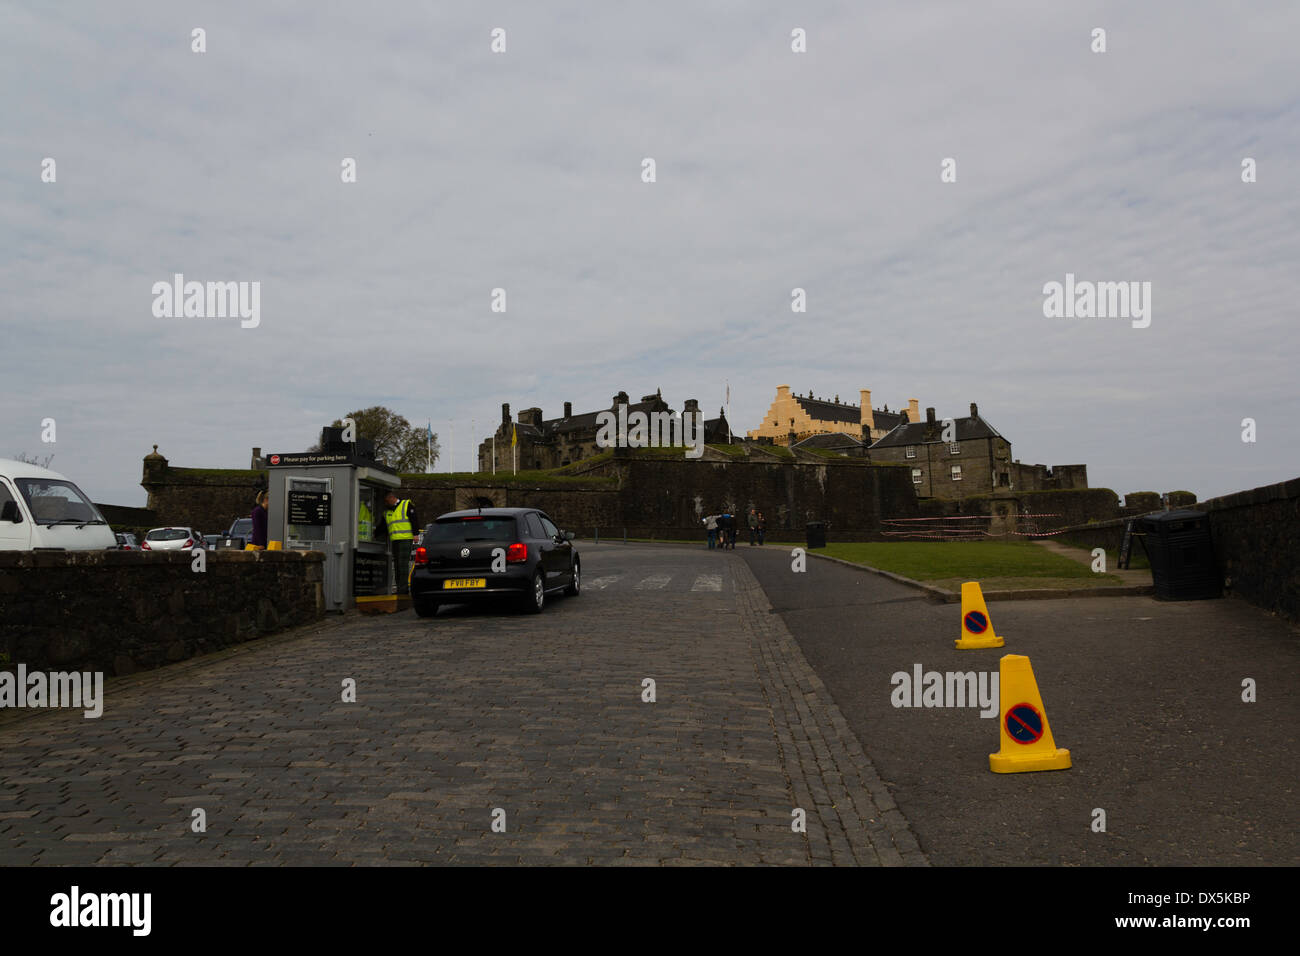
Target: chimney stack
505,413
929,416
868,416
568,409
974,410
913,409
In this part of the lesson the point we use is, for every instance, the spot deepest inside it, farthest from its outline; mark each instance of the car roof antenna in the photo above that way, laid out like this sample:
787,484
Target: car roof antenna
483,503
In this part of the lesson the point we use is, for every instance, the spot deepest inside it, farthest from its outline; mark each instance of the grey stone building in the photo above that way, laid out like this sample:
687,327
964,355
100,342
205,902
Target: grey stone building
977,461
556,442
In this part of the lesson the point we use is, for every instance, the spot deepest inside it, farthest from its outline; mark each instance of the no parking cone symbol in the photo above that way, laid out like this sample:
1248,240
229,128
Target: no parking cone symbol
976,625
1027,742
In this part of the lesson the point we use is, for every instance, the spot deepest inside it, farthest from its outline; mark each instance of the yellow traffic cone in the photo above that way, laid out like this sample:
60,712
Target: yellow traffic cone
1027,742
976,626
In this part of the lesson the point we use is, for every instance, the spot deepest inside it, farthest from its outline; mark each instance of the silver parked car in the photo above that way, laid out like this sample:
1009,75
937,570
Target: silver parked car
171,539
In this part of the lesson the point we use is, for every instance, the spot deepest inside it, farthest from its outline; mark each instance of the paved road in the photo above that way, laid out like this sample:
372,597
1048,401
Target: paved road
540,716
1145,694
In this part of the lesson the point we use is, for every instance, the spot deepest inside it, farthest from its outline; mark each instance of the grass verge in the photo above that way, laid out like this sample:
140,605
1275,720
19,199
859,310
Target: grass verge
949,563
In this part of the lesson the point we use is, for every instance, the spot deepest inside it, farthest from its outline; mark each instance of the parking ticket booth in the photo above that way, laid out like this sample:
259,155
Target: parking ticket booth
332,501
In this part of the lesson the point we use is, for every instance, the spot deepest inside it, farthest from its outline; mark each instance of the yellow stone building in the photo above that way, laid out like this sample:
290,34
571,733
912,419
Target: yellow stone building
804,415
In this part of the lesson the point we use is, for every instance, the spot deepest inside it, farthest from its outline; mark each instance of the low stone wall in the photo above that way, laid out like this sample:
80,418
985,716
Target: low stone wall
208,500
120,516
1102,534
1257,541
575,506
123,611
1256,537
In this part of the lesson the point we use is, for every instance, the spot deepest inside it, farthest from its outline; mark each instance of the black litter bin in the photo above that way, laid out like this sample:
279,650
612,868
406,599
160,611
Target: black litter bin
1181,552
816,534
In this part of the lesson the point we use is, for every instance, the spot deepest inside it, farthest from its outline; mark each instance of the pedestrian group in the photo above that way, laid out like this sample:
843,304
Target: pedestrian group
721,529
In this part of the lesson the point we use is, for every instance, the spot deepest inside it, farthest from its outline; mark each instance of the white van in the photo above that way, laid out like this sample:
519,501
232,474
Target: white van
40,510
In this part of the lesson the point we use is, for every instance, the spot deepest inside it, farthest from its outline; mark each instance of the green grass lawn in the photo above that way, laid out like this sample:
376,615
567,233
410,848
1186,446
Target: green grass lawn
947,564
1137,558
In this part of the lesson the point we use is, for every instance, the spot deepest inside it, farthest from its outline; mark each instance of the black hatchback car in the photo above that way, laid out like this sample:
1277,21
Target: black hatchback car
493,554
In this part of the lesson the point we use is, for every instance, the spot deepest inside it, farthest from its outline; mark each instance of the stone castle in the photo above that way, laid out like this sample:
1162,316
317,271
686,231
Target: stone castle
976,461
553,443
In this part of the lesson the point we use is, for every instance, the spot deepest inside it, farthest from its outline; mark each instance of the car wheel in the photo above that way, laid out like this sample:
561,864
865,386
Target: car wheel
536,599
424,607
575,588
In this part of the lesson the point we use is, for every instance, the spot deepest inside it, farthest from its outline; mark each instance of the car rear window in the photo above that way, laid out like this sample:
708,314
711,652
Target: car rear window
241,526
168,534
487,528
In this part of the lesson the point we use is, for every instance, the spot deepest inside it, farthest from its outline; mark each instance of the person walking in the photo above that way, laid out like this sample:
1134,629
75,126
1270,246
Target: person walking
711,526
728,528
762,528
400,521
257,540
752,521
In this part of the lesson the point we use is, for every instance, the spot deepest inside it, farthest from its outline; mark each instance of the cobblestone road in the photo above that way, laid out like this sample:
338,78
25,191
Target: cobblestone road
540,716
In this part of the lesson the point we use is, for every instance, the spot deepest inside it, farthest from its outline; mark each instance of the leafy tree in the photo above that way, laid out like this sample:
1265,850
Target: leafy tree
402,445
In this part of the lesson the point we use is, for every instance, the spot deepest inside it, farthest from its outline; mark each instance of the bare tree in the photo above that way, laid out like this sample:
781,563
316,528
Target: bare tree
33,460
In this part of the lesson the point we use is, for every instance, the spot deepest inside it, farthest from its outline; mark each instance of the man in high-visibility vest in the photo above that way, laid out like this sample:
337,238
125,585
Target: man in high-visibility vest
401,523
365,523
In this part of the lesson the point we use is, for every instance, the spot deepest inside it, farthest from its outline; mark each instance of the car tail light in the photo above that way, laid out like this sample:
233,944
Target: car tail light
145,547
189,542
517,552
421,556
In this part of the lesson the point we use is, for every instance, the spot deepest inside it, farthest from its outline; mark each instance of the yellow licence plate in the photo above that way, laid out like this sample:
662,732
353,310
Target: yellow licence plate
454,583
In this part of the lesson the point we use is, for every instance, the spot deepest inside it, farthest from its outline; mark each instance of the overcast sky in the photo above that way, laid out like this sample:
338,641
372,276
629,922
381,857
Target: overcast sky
775,170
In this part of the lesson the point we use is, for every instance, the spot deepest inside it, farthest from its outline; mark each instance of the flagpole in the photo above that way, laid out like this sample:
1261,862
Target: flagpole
428,447
473,430
729,436
494,453
451,452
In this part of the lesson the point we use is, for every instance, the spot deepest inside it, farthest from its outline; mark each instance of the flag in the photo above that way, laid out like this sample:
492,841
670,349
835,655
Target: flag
514,437
429,432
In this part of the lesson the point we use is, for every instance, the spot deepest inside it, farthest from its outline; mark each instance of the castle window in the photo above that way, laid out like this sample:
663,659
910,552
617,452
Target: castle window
916,476
956,472
911,452
955,448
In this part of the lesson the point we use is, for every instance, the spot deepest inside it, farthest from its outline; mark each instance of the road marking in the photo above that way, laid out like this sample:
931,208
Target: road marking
601,583
656,582
708,582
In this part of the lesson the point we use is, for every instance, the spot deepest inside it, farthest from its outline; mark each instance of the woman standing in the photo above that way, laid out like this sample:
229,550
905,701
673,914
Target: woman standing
258,540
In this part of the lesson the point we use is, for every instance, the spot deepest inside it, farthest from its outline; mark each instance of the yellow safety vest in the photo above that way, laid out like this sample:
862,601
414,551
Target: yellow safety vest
365,523
399,525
